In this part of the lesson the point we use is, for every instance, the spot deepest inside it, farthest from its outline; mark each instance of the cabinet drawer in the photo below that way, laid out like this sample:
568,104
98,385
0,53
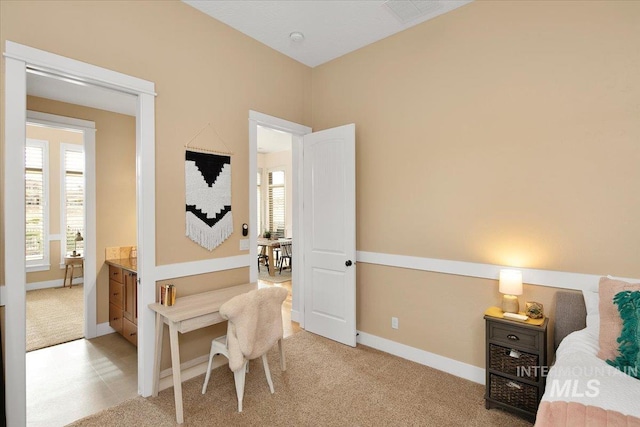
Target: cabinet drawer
116,291
514,393
514,362
115,273
130,332
513,336
115,317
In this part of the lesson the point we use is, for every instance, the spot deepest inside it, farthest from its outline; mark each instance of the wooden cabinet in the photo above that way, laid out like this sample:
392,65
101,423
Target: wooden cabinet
516,365
123,313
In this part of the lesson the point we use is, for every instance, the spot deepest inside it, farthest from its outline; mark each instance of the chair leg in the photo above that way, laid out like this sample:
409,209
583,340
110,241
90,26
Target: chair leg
283,363
206,378
239,377
267,372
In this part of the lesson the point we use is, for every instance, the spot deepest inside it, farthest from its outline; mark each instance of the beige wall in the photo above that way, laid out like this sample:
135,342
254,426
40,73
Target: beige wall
204,72
54,138
115,184
502,133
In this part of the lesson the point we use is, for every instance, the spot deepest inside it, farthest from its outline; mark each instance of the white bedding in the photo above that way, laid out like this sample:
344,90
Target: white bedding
578,375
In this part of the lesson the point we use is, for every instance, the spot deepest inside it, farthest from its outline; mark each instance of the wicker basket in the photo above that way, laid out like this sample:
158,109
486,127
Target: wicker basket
500,359
514,393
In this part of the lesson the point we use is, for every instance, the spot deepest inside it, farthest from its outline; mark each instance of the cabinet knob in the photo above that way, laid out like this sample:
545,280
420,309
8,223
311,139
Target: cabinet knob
513,337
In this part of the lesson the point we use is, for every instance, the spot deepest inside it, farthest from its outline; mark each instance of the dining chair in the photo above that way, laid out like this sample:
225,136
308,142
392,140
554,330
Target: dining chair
254,326
262,256
285,247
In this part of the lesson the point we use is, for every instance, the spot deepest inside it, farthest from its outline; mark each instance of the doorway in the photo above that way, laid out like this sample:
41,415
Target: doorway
296,131
19,59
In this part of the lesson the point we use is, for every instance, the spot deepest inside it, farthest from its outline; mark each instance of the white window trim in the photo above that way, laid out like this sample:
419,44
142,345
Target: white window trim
63,212
43,264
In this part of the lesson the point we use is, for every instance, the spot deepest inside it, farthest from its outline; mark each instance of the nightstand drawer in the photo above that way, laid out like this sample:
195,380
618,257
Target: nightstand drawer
513,393
514,362
513,336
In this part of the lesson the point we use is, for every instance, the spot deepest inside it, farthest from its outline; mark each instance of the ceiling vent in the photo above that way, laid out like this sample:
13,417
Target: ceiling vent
406,11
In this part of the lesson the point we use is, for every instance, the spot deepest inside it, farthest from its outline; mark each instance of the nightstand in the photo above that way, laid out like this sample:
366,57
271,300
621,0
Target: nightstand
516,365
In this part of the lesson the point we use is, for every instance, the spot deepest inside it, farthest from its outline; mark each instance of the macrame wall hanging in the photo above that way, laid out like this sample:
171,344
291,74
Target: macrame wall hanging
209,221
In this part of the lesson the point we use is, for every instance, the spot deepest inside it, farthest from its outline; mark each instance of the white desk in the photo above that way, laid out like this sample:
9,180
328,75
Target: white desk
188,314
72,261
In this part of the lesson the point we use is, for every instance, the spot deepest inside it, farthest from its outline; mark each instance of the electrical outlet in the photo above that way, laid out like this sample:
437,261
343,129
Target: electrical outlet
394,322
244,244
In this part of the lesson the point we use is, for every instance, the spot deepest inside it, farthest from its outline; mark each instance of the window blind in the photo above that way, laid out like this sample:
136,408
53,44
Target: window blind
276,202
35,201
74,198
259,203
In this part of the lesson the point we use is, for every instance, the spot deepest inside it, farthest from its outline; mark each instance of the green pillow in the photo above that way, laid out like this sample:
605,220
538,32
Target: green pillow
628,303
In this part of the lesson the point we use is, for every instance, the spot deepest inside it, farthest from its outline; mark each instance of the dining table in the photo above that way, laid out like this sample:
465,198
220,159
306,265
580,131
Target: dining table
270,245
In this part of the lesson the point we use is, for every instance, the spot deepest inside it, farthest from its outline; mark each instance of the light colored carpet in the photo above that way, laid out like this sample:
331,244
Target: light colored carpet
325,384
54,316
277,278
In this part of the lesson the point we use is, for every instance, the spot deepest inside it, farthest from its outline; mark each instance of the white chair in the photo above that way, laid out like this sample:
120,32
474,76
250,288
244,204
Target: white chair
255,325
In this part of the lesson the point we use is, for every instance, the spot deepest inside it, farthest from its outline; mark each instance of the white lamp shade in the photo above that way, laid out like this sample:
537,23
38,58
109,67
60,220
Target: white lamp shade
510,282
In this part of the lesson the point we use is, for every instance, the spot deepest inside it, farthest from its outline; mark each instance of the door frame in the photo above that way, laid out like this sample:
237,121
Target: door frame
297,131
17,58
88,129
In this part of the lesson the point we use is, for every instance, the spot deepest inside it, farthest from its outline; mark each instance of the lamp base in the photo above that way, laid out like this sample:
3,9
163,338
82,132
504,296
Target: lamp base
510,304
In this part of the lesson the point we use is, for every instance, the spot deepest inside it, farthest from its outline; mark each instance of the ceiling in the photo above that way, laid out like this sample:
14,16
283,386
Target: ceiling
331,28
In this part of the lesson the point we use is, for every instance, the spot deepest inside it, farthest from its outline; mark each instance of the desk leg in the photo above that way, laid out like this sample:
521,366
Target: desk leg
64,282
272,262
71,277
175,366
157,356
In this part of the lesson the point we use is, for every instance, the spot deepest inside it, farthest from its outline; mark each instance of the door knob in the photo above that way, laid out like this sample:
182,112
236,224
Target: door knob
348,263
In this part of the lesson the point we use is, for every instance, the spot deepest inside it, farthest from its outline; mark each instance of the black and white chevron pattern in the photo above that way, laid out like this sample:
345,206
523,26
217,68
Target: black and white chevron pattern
208,198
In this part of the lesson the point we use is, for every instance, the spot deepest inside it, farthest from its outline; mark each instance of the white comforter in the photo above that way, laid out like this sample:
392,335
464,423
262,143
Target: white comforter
579,376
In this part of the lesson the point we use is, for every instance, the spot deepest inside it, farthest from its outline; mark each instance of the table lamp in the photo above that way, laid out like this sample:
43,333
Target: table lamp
77,239
510,286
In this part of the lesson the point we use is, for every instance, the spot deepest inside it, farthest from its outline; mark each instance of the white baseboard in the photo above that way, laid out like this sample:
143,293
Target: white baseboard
52,284
104,329
296,316
441,363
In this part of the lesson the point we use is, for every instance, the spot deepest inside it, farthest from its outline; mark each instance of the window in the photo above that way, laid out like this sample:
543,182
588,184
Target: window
36,203
72,160
259,205
276,200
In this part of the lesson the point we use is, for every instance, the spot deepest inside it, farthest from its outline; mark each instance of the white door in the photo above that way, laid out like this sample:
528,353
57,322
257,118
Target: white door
329,226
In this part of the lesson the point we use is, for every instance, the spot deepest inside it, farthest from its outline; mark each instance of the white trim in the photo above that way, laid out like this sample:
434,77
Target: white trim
549,278
15,111
3,295
60,122
55,237
104,329
296,316
57,283
78,70
297,131
17,58
184,269
441,363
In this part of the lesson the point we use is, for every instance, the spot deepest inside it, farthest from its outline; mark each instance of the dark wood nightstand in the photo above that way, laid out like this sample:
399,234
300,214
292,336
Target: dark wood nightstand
516,365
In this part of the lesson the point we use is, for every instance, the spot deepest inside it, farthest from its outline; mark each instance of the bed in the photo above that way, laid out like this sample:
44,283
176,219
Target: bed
582,389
